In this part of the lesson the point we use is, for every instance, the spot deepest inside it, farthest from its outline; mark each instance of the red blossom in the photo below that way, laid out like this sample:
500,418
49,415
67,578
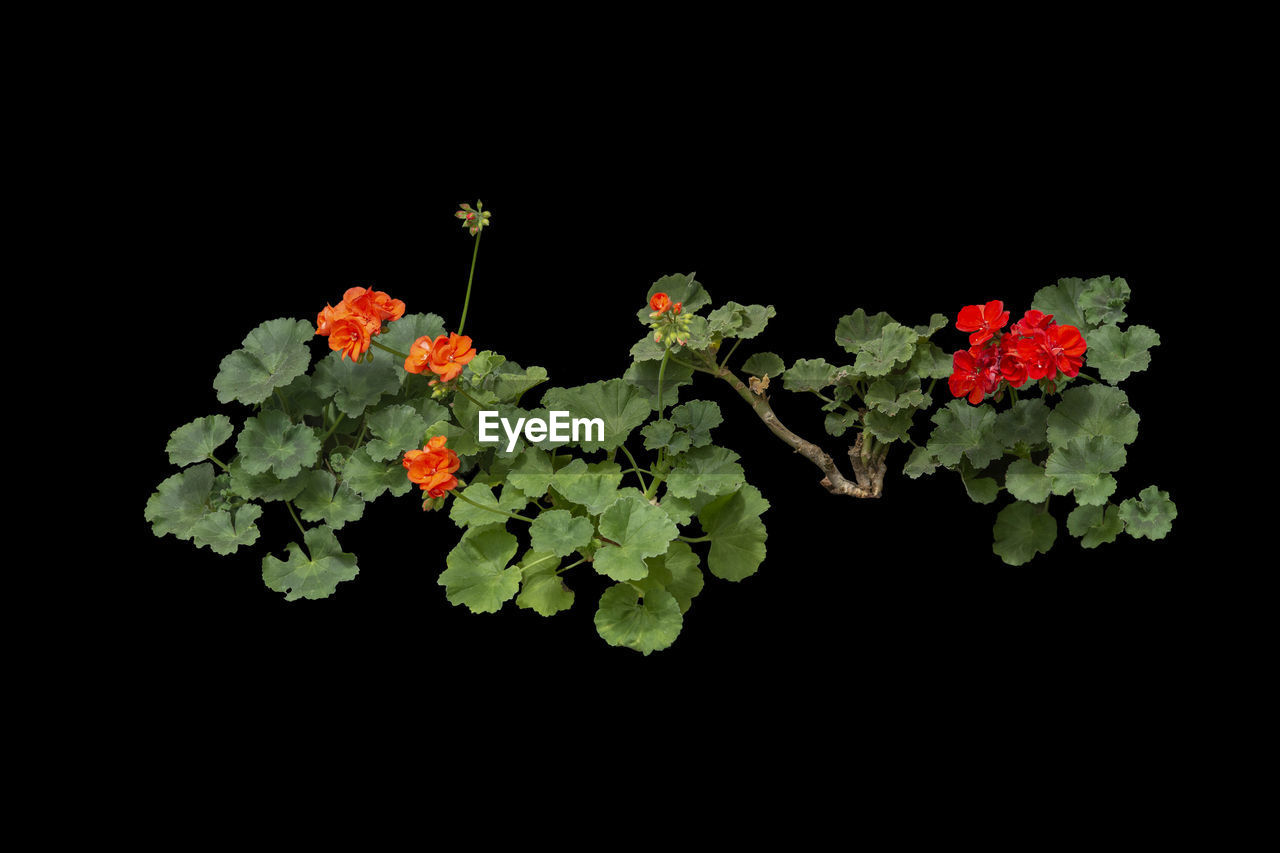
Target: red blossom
982,321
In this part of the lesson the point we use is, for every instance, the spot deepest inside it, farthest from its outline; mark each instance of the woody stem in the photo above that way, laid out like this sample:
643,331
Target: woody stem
467,301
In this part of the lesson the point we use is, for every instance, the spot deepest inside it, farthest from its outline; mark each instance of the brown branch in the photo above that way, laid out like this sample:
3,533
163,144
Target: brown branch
868,462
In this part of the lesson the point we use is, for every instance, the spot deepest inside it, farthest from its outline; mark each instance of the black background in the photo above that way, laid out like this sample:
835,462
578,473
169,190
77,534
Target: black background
900,599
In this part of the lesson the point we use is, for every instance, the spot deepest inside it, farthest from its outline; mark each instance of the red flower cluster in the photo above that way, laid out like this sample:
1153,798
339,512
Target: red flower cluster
358,317
1034,348
432,467
445,356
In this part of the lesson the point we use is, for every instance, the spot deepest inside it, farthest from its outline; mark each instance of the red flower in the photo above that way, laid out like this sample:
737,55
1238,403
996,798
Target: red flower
374,304
659,303
1068,348
1011,367
975,373
432,467
982,321
1031,321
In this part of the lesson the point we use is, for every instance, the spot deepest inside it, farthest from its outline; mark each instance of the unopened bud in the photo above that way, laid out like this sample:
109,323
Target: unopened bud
657,337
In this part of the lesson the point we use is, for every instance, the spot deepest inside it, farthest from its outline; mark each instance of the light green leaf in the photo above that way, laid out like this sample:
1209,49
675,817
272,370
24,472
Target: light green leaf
271,442
732,320
594,486
962,429
510,381
892,394
477,574
621,405
369,479
180,501
637,529
559,532
1022,531
397,429
1116,354
464,514
1103,301
324,499
532,472
646,625
225,531
680,288
856,330
809,374
1084,465
1150,515
714,470
647,349
1095,410
697,418
737,533
936,322
541,589
896,344
663,433
1062,300
920,462
1027,481
355,386
316,576
838,423
196,441
272,356
1095,525
265,486
889,428
929,362
677,572
764,364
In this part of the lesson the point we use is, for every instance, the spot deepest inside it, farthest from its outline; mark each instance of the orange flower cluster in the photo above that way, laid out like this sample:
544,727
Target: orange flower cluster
445,356
357,318
432,467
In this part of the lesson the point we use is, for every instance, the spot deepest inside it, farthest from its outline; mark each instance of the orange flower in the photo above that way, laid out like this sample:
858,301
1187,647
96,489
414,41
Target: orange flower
419,355
374,304
449,355
432,467
349,333
659,302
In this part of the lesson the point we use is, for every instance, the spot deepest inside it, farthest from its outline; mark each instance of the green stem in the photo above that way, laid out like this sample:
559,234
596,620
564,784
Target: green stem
662,370
466,303
296,520
644,487
283,407
1090,378
821,396
468,396
1013,395
385,348
219,462
694,538
564,569
460,496
729,355
341,415
691,366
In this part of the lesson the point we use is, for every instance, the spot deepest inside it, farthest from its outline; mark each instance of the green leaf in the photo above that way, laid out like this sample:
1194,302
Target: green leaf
594,486
265,486
1103,301
271,442
714,470
877,357
225,531
532,472
397,429
680,288
929,362
1062,300
621,405
737,533
677,572
732,320
477,574
1116,354
856,330
1027,481
324,499
1022,531
1150,515
809,374
355,386
1095,525
982,490
180,501
458,439
541,588
298,399
889,428
464,514
838,423
196,441
272,356
644,375
559,532
637,529
663,433
892,394
764,364
920,462
936,322
647,349
962,429
316,576
369,479
1023,423
1095,410
428,409
697,418
1084,465
510,382
646,625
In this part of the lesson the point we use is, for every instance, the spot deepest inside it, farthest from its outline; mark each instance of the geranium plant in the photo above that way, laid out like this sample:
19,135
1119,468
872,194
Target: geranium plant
643,494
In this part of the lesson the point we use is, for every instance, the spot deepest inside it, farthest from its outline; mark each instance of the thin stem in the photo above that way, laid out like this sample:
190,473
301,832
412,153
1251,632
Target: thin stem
644,487
468,396
284,407
691,366
386,348
467,301
694,538
219,462
460,496
821,396
730,353
564,569
662,370
341,415
1090,378
296,520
